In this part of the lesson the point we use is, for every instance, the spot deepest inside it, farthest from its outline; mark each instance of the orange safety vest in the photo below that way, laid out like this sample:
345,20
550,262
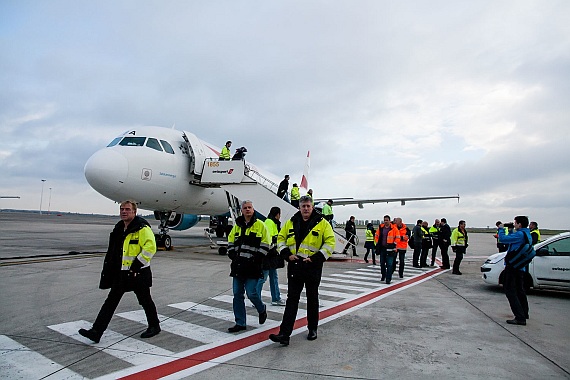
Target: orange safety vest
402,242
393,235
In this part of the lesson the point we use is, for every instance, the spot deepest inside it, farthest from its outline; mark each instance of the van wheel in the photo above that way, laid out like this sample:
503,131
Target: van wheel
222,251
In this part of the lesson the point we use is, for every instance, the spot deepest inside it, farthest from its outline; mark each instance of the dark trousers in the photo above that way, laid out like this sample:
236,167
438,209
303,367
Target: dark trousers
350,244
459,252
294,289
423,257
401,253
444,255
434,251
373,250
416,257
110,305
386,262
514,290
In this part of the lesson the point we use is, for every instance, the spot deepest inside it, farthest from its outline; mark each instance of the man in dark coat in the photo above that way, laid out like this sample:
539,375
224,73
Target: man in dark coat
127,268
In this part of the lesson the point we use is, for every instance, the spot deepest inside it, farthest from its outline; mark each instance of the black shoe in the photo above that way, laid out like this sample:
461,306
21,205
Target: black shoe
373,263
355,255
263,316
456,272
366,261
92,334
387,282
383,278
236,328
516,322
312,335
279,338
444,267
416,266
150,332
432,264
401,276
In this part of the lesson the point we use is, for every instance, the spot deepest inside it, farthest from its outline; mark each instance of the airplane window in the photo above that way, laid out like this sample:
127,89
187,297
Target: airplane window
153,143
167,147
132,141
114,142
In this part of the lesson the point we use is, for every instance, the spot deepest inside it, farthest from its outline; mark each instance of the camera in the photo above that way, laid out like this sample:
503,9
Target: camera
509,225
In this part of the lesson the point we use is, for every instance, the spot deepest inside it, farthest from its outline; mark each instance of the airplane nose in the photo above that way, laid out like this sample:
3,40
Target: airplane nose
106,171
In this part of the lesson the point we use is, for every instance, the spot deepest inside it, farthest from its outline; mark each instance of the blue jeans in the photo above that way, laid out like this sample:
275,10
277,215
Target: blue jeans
273,284
249,286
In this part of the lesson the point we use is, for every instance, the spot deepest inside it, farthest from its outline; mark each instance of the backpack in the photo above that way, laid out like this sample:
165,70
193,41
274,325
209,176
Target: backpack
411,242
522,256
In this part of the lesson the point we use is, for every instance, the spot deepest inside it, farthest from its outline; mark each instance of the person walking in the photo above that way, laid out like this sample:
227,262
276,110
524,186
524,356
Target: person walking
369,243
225,154
306,241
459,244
350,233
514,278
272,261
434,232
248,244
417,236
385,239
295,196
283,188
328,211
127,268
445,242
401,245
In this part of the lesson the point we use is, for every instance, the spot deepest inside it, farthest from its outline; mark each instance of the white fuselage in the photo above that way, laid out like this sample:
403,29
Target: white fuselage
138,166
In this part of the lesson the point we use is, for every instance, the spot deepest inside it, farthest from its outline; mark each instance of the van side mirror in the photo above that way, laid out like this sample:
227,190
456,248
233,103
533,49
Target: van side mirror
542,252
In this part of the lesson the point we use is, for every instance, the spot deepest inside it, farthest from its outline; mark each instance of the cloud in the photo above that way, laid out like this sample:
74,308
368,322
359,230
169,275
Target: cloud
406,98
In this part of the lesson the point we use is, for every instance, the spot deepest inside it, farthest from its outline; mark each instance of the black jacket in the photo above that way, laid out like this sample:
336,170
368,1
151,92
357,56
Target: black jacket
111,272
445,234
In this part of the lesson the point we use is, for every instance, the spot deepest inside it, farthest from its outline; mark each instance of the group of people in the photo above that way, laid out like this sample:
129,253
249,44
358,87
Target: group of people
392,238
225,154
305,242
256,250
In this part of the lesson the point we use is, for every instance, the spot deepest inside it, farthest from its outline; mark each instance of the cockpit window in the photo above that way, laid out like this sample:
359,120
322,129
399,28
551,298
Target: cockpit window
132,141
114,142
167,147
153,143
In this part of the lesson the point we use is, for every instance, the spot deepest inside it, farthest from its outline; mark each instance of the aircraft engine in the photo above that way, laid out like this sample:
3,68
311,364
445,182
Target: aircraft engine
182,222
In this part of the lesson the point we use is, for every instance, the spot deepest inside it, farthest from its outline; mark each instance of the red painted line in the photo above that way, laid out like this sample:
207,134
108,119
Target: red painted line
207,355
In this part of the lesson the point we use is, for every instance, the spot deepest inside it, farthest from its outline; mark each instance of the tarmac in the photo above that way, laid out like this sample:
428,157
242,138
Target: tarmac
429,324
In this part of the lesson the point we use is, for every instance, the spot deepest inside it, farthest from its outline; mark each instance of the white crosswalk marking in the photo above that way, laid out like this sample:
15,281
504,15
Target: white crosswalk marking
365,275
355,282
178,327
349,284
19,362
228,299
343,286
223,314
118,345
326,292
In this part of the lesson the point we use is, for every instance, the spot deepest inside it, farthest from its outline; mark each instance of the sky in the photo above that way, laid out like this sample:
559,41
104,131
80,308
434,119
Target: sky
392,98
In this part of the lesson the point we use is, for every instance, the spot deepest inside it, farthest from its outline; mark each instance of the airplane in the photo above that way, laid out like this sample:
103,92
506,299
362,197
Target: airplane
164,170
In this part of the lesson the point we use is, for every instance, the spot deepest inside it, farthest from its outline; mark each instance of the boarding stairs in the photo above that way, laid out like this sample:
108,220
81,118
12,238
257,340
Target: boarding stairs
244,182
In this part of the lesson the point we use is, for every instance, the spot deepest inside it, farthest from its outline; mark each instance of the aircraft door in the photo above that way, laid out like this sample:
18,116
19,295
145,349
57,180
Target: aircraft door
196,151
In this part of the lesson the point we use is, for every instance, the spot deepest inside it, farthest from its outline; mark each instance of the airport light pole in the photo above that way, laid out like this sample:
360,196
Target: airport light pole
42,195
49,203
